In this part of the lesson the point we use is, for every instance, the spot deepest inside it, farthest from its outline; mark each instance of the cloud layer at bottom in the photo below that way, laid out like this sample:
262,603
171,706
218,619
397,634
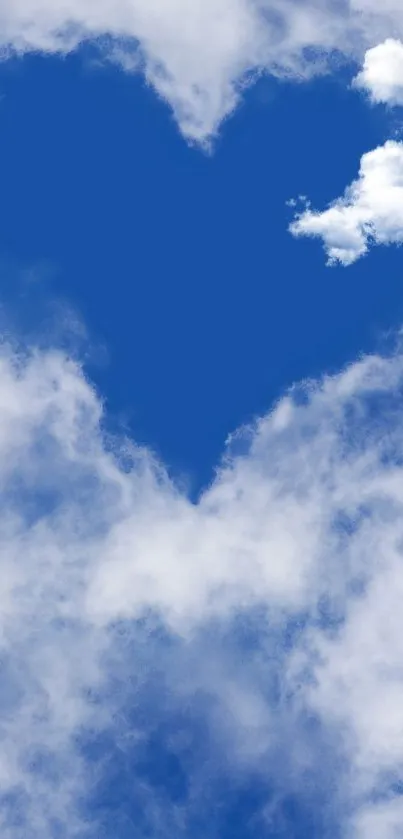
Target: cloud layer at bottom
270,610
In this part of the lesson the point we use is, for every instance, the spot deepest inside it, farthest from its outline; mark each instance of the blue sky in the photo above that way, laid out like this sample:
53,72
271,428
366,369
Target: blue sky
200,420
215,310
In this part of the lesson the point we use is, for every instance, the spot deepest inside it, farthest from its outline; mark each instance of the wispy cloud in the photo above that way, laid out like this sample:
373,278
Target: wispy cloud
110,575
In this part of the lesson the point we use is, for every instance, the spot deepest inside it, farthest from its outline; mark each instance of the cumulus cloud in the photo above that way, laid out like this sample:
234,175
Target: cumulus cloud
198,55
382,73
370,211
110,575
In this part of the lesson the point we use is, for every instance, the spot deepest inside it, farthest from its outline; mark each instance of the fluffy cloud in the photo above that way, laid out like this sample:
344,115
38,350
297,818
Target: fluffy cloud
370,211
110,573
382,73
198,55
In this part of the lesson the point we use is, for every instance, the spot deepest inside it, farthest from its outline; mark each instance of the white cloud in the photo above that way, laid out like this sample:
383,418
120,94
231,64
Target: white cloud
306,525
382,73
199,53
370,211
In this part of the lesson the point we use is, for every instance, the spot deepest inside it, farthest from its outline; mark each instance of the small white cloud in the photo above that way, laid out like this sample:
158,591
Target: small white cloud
382,73
370,211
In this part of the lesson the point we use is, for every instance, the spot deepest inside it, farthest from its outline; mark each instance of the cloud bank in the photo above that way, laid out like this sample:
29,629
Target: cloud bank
110,575
370,211
199,55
